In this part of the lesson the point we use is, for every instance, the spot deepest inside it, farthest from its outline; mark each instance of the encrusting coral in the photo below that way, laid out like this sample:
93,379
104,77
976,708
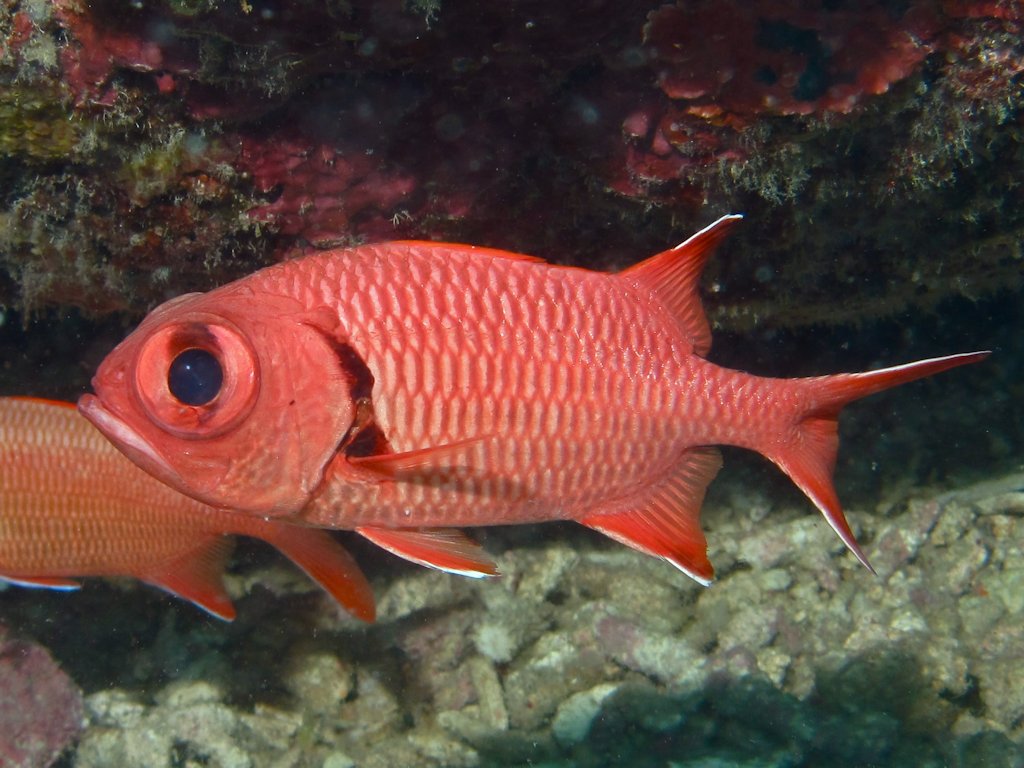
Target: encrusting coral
171,146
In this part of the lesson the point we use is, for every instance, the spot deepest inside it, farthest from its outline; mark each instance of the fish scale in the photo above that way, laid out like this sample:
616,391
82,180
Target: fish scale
513,333
405,389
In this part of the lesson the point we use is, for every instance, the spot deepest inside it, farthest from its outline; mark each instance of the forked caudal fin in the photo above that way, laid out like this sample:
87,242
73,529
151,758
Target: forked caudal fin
810,457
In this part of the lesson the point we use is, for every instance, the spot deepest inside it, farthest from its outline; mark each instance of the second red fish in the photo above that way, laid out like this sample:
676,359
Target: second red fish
71,506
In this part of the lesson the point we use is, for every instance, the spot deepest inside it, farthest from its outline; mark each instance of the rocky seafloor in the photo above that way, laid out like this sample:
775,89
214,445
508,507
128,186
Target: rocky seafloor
586,653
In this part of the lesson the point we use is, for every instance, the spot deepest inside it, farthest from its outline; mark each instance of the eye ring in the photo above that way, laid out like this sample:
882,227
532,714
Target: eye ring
200,417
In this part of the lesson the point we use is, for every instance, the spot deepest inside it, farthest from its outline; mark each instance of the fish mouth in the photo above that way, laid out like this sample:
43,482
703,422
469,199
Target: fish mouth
127,440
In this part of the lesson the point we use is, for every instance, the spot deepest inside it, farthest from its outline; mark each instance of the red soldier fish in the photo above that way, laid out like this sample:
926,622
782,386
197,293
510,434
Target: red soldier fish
406,389
71,505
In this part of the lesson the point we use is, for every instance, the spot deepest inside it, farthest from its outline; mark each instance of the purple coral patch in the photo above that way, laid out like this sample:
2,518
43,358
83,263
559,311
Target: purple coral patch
41,709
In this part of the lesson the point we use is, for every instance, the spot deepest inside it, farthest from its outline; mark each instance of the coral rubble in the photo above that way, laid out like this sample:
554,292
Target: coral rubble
797,656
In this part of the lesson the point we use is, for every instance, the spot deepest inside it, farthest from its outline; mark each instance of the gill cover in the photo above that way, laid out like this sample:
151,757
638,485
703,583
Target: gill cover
235,401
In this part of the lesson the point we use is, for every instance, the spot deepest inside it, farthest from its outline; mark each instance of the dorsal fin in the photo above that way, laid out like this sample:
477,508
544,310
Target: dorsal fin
672,276
666,524
475,250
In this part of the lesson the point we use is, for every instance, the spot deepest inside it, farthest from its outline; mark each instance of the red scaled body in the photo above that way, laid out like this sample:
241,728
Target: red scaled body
402,388
71,505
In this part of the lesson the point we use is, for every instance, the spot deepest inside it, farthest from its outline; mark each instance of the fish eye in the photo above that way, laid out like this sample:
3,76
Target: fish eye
195,377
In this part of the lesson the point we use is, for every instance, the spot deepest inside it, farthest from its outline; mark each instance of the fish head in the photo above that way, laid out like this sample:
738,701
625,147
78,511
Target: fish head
235,400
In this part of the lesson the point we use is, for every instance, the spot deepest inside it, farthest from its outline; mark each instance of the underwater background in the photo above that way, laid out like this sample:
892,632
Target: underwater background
875,148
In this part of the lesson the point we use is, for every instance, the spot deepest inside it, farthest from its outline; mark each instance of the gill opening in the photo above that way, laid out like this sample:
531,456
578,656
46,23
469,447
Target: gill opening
364,437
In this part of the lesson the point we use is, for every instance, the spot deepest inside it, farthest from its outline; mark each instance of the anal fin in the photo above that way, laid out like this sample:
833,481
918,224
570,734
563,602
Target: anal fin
666,523
446,549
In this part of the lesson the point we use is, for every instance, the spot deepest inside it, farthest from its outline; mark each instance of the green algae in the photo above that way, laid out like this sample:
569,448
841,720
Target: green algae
36,127
155,167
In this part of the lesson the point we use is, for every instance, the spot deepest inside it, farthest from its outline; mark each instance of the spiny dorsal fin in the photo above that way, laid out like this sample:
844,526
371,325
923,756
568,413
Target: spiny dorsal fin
672,276
477,251
666,524
198,576
446,549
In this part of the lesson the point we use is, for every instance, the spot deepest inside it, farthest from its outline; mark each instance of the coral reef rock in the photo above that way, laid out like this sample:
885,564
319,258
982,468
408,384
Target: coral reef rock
156,148
795,656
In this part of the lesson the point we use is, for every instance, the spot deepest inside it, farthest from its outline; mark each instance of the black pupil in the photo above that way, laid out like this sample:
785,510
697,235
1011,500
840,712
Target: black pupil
195,377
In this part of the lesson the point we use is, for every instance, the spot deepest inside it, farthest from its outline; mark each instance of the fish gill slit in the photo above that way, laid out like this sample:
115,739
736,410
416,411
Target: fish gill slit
364,437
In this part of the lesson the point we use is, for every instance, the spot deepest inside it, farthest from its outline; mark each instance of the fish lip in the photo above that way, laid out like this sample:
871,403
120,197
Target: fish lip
124,438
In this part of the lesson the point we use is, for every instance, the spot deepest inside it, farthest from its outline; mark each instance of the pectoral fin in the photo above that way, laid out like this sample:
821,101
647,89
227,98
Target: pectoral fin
438,458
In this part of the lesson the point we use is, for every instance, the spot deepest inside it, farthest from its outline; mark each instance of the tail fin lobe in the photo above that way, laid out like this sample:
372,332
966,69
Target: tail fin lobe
810,461
833,392
809,458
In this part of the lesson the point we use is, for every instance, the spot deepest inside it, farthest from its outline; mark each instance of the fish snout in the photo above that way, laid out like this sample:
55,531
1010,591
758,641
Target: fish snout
127,440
